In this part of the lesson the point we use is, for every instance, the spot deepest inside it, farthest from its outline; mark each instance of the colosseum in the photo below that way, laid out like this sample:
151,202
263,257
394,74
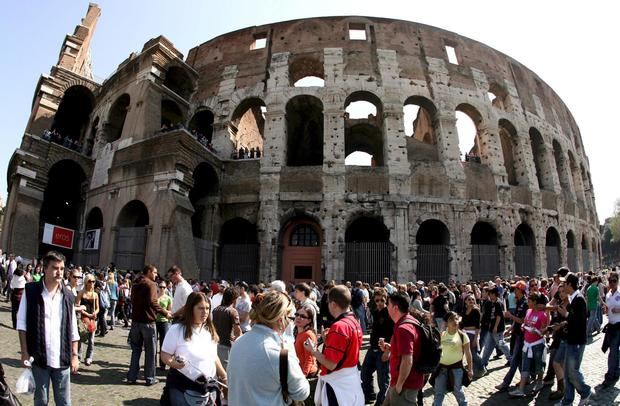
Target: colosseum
236,161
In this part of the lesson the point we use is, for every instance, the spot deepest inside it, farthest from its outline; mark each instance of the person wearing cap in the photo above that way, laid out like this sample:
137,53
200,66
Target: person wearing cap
612,336
216,300
517,333
576,319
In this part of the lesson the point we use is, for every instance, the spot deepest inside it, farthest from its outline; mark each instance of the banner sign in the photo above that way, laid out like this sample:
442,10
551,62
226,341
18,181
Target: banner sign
91,239
58,236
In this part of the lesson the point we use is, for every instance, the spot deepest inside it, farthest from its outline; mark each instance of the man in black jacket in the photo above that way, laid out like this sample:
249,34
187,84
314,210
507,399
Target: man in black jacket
576,315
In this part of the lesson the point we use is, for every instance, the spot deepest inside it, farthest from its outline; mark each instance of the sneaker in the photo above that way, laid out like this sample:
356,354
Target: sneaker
501,387
538,386
585,401
129,382
151,382
480,374
88,362
517,393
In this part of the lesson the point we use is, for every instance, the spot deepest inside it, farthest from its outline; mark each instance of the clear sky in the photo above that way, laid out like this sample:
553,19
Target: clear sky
572,46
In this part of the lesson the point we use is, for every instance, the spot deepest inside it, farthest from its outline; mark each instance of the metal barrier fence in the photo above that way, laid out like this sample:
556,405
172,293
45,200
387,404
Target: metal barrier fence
484,262
572,259
585,255
239,262
368,261
204,258
433,263
129,248
553,260
525,262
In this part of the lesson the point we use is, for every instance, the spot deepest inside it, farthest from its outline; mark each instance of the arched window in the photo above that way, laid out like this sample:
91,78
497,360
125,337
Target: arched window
306,72
201,124
179,82
304,131
304,236
560,165
363,131
71,119
508,137
113,129
540,159
247,124
467,121
171,114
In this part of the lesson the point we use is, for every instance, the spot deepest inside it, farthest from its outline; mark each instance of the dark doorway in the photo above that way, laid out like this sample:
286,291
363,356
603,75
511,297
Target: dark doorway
368,251
304,131
525,243
552,247
484,252
131,236
239,251
71,119
433,257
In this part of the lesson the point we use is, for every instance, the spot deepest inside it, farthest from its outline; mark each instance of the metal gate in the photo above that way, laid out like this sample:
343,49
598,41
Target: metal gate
553,260
239,262
204,258
129,248
89,258
525,263
585,255
572,259
368,261
433,263
484,262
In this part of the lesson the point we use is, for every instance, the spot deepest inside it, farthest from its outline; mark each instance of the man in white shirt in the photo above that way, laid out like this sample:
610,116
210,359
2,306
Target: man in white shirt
11,267
612,337
243,306
216,300
182,288
55,349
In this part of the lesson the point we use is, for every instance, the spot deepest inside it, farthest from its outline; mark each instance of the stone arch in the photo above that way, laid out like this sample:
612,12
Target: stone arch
179,81
171,114
201,195
525,250
201,123
560,165
368,250
133,214
239,251
499,97
302,67
574,170
484,251
73,114
585,253
553,246
571,253
301,238
247,124
467,151
425,112
541,164
508,139
131,236
433,256
304,131
363,130
94,219
113,127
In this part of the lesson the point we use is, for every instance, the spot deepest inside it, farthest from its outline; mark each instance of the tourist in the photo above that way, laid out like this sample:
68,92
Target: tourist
440,306
339,382
113,291
162,323
51,343
612,336
593,300
227,325
470,324
18,283
143,330
182,288
254,363
382,329
189,349
90,300
305,329
124,301
493,323
557,349
243,307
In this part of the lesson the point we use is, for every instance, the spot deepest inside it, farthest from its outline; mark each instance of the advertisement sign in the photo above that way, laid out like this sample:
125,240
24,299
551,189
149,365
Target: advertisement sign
58,236
91,239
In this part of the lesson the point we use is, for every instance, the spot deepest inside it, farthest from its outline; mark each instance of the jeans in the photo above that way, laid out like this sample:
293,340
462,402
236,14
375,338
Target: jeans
223,352
360,312
573,379
61,384
515,362
593,323
490,341
142,335
90,348
475,354
407,397
372,362
112,312
101,321
613,372
536,364
441,384
162,329
177,397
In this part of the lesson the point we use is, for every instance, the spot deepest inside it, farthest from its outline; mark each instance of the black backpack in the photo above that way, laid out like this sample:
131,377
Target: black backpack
431,347
357,297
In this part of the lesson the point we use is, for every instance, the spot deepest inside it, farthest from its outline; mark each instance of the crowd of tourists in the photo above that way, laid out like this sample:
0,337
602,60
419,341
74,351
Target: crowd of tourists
64,140
277,343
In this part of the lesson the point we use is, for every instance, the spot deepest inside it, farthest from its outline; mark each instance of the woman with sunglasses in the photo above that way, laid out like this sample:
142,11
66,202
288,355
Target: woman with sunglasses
470,324
89,298
305,329
162,324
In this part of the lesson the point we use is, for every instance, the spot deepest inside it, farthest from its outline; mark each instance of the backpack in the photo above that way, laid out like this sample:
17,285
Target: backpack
357,298
431,347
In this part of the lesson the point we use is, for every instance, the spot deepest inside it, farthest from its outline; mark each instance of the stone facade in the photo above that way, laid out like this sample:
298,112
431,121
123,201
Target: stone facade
162,180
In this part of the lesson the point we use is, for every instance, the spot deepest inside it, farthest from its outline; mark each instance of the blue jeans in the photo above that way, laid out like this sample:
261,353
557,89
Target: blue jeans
441,385
475,354
490,341
613,372
593,323
162,329
360,312
372,362
112,312
61,384
573,379
90,347
536,363
515,362
176,397
142,335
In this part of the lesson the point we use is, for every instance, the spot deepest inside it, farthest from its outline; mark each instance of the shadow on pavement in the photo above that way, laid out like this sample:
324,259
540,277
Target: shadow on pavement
141,402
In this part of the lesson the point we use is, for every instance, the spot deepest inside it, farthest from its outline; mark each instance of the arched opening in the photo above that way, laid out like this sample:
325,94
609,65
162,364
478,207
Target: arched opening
540,159
301,250
433,255
247,127
570,251
90,140
508,136
171,115
179,82
419,119
131,236
306,72
304,131
239,251
484,252
595,259
525,247
363,134
358,158
91,241
467,121
552,246
201,126
368,251
585,254
113,128
586,184
560,165
574,169
73,114
62,204
202,196
499,97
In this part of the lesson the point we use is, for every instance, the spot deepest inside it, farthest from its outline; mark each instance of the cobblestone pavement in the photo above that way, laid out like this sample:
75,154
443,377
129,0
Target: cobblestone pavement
102,382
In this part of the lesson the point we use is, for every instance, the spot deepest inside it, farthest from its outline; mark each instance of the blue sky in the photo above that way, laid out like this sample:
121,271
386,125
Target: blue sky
571,45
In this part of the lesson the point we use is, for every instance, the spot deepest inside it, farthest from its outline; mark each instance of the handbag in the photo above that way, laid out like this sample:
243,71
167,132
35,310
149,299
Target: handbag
91,325
6,396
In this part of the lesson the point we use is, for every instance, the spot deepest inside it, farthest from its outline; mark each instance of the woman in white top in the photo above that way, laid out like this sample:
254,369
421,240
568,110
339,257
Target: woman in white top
190,350
17,285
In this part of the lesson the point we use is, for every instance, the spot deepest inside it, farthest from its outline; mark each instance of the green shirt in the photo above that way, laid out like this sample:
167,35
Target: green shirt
164,302
592,293
36,277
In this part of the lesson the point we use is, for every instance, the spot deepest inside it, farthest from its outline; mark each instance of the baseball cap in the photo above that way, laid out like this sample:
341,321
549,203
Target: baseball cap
522,286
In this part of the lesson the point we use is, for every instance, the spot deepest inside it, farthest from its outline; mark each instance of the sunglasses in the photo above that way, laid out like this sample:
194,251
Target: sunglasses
379,300
77,277
90,281
162,287
301,316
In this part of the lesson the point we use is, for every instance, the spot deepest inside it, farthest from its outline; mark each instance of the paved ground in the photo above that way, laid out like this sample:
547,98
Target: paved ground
101,383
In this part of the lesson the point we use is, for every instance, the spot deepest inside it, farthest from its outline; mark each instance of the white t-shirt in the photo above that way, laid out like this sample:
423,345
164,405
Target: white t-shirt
613,302
244,305
216,300
199,353
18,282
181,292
